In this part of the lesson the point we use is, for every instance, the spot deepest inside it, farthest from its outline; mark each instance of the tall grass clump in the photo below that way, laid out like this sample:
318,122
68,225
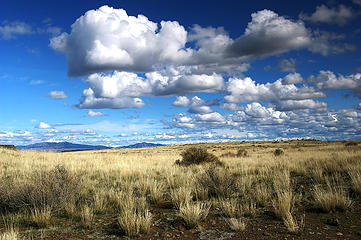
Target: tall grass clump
196,156
181,196
10,234
331,198
356,181
40,218
192,213
236,224
134,217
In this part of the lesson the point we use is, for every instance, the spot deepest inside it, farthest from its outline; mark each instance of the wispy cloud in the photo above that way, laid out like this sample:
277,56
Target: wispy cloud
57,95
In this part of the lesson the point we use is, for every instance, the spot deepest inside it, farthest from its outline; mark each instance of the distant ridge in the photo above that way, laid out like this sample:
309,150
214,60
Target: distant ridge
60,147
69,147
143,144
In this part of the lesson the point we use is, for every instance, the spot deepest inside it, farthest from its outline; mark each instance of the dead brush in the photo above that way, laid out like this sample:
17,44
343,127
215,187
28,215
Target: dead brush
54,188
40,218
219,182
196,156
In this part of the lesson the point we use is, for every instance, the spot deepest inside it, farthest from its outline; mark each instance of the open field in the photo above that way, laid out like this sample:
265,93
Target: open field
304,190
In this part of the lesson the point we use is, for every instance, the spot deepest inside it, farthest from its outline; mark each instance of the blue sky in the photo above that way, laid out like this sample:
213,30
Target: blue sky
120,72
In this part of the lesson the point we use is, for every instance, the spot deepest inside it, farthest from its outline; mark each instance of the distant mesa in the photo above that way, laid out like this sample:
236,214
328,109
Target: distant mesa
69,147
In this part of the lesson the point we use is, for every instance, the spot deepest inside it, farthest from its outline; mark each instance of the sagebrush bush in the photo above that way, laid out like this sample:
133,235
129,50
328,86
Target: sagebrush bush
278,152
218,181
240,153
196,155
54,189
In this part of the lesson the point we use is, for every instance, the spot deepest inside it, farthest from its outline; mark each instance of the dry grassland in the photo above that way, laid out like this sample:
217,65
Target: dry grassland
303,190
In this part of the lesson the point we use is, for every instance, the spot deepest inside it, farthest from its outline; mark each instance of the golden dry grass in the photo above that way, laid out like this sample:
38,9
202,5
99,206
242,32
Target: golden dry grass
126,182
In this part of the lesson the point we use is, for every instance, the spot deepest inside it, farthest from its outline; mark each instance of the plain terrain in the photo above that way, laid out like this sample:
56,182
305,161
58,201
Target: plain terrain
301,189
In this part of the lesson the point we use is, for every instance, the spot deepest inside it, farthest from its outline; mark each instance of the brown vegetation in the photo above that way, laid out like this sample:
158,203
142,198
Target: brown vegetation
311,191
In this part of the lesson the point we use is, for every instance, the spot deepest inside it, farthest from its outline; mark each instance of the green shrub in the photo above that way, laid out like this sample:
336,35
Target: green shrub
195,155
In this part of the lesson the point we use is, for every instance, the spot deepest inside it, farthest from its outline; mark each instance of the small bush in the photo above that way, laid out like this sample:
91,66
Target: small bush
195,155
351,143
54,189
242,153
278,152
10,147
218,181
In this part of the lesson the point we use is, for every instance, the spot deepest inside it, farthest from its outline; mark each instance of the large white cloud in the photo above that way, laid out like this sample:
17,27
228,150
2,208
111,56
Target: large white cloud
329,80
109,39
269,34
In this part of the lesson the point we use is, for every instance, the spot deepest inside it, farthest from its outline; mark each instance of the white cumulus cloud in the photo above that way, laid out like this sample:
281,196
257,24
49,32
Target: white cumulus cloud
269,34
43,125
181,101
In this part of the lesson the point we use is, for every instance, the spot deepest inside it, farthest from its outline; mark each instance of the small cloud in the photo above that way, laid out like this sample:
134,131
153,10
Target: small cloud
358,2
95,114
43,125
36,82
181,101
323,14
57,95
9,30
47,20
287,65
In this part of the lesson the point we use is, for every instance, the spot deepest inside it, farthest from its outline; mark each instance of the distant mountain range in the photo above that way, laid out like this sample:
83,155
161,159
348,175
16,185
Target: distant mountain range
68,147
143,144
